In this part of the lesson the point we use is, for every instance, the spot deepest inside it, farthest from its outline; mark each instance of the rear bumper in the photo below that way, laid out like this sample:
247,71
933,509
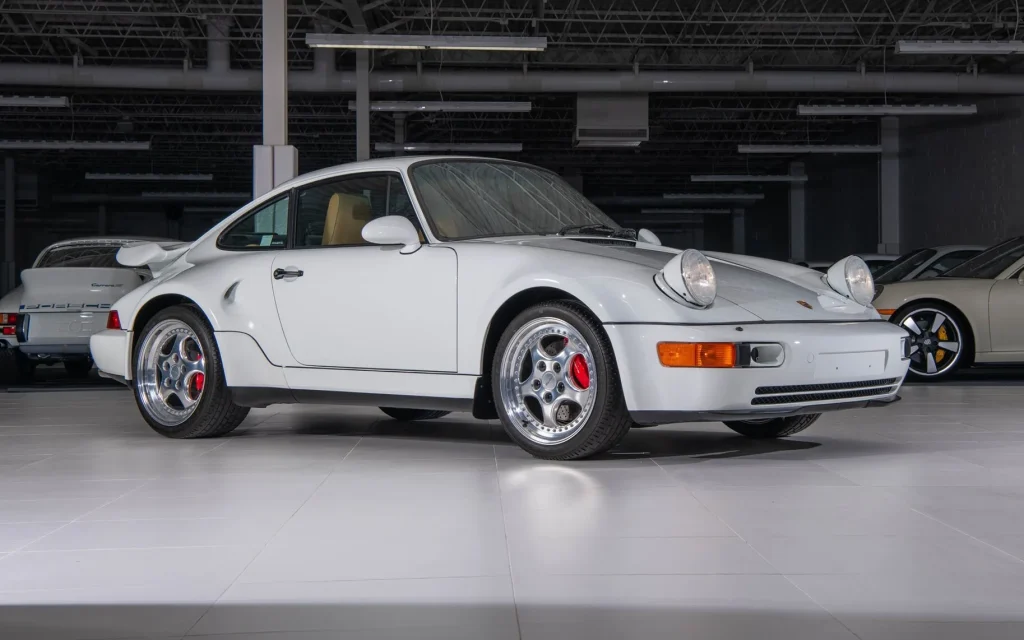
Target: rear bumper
110,353
58,333
825,367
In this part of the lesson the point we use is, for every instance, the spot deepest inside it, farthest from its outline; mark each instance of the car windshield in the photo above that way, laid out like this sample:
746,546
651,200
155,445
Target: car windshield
478,198
903,266
991,262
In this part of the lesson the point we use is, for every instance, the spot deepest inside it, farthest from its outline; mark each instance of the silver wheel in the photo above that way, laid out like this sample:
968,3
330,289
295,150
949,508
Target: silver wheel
935,341
171,372
548,381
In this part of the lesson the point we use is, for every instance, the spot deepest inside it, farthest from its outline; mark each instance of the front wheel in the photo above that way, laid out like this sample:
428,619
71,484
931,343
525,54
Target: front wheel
556,385
408,415
939,340
773,427
179,380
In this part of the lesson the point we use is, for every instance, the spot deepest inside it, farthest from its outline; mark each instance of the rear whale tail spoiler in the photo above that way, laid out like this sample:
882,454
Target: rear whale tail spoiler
150,254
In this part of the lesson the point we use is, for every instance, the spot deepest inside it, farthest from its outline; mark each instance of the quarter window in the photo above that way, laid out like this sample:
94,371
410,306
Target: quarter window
332,214
264,228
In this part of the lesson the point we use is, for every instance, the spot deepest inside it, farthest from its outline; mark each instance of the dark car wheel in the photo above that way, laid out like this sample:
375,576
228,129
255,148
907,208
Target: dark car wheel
940,340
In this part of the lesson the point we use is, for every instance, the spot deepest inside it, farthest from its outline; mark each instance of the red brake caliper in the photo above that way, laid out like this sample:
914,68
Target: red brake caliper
579,371
198,380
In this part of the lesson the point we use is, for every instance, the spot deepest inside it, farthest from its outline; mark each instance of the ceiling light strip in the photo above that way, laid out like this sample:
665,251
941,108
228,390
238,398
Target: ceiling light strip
383,41
430,147
33,101
747,178
184,177
73,145
887,110
399,106
959,47
808,148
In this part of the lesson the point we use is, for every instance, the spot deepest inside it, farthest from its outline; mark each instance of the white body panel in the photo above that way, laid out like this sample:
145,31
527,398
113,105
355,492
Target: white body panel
375,321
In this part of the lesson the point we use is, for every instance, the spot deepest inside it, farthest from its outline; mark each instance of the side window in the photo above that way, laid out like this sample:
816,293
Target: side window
264,228
952,259
333,214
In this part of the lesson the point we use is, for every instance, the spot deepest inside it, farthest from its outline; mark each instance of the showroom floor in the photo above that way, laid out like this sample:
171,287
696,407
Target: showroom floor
317,522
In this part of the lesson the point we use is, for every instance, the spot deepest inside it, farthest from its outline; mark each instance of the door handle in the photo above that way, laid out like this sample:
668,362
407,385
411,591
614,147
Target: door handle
281,274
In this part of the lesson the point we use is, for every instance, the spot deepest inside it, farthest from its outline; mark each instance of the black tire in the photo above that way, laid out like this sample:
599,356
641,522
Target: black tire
774,428
78,368
408,415
216,414
15,368
609,421
963,358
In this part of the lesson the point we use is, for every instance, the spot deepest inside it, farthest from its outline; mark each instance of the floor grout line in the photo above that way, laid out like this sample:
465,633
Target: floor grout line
508,549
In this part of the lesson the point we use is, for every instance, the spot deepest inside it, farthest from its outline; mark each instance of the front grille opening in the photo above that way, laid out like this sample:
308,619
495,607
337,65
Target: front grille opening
822,396
831,386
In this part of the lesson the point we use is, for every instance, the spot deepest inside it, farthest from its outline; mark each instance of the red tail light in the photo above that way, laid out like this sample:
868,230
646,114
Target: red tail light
8,318
7,331
113,321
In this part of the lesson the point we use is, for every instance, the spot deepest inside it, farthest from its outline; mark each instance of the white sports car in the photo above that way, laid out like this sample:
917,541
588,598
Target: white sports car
429,285
64,298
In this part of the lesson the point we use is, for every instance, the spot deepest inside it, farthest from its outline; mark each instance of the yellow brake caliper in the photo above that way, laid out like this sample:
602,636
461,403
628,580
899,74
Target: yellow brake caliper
943,337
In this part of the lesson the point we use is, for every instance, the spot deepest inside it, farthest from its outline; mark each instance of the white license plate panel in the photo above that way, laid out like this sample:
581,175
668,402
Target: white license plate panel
845,366
60,328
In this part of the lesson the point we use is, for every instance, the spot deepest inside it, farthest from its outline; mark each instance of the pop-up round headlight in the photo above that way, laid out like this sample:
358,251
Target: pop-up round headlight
852,278
691,275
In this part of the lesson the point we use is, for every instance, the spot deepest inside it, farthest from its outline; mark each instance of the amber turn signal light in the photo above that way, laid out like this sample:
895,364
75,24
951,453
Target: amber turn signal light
717,355
885,312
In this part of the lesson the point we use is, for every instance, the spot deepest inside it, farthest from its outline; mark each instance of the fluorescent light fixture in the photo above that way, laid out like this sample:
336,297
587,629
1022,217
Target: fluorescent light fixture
183,177
195,195
607,144
887,110
428,147
808,148
707,197
384,41
64,145
33,101
493,107
959,47
749,178
692,211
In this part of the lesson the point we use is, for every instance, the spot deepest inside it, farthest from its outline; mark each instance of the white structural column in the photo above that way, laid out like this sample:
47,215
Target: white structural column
9,198
274,161
739,231
889,187
797,215
362,104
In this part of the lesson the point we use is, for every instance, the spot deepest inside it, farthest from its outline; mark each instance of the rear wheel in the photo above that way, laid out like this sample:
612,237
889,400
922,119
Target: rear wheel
179,380
940,340
773,427
78,368
408,415
556,385
15,367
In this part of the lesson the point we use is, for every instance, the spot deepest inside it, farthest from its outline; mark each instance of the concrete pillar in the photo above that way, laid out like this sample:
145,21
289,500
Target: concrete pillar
218,46
10,186
275,161
362,104
889,187
101,220
797,215
399,132
739,231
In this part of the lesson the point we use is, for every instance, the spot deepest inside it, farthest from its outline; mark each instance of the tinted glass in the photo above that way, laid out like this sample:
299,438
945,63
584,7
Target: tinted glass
468,199
334,213
952,259
903,266
991,262
104,257
265,228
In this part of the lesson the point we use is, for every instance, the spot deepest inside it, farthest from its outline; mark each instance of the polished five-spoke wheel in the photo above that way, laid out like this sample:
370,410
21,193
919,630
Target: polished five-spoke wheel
937,340
179,380
173,372
556,385
548,379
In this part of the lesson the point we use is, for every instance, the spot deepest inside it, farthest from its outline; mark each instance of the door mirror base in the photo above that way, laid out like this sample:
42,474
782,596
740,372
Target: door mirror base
392,230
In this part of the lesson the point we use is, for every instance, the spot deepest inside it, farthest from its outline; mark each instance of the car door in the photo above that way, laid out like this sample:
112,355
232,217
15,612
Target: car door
1006,309
345,303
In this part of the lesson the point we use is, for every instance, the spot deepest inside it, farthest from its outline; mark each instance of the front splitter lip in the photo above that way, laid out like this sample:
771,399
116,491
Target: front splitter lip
654,418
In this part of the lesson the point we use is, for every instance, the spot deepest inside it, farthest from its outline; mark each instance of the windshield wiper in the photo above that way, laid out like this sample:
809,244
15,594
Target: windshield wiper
598,229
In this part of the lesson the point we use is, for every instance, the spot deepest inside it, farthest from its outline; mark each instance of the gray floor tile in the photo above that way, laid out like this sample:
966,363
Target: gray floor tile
15,536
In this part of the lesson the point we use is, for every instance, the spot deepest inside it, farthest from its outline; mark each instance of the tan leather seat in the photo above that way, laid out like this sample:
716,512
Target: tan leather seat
347,214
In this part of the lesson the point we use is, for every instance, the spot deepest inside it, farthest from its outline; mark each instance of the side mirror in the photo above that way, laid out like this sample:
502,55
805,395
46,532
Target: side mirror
392,230
648,236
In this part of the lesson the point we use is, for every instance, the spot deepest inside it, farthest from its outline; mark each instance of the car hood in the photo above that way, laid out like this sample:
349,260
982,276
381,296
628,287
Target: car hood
769,289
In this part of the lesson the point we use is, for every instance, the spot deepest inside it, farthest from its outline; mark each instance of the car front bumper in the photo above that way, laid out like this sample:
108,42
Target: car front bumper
822,367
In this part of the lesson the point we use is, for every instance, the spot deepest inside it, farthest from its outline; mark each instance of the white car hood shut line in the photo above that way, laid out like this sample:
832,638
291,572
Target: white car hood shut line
770,296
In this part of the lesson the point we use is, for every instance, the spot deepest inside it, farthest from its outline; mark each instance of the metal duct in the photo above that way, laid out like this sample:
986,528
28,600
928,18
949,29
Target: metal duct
218,46
518,82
